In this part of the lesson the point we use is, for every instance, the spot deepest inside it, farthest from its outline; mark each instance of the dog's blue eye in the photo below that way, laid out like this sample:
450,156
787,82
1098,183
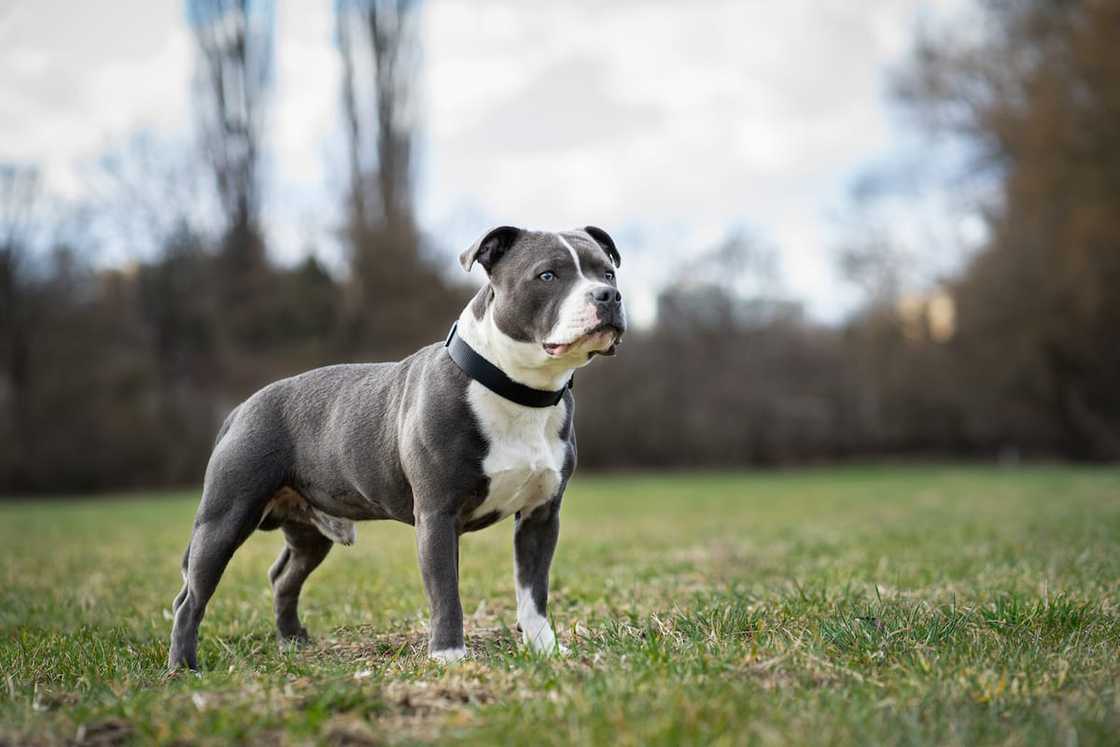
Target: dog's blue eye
608,275
548,276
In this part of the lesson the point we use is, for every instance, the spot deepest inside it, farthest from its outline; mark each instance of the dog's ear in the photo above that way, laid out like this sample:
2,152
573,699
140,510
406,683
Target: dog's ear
490,248
603,239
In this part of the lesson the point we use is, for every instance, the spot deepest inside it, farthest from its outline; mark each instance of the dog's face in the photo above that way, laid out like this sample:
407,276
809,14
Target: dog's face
556,292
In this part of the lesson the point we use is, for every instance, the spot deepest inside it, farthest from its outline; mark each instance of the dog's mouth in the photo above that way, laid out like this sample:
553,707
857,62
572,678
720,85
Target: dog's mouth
601,340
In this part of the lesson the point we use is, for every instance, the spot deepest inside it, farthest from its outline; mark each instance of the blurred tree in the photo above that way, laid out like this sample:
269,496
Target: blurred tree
20,310
888,386
731,374
150,201
378,41
146,189
874,265
1038,95
397,298
177,316
235,56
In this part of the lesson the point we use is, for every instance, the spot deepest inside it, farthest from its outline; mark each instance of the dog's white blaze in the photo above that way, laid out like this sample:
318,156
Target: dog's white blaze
575,255
576,314
526,453
536,631
449,655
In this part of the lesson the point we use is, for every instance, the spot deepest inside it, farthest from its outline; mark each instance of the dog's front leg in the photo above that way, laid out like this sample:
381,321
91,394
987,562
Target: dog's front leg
438,546
534,542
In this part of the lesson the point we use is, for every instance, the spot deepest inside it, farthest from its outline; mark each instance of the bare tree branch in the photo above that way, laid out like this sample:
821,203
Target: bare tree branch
234,42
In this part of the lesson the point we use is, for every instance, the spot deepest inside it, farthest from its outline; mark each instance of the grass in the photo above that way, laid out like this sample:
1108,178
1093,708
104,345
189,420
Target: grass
911,605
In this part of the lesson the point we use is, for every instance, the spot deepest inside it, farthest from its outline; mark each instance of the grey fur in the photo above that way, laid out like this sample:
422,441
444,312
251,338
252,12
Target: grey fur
345,443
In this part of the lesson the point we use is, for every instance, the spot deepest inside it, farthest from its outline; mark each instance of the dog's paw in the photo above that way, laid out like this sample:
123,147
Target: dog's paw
557,649
448,655
543,641
296,639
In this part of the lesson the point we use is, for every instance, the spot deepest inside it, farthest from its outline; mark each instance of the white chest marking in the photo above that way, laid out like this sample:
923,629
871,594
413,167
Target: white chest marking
526,453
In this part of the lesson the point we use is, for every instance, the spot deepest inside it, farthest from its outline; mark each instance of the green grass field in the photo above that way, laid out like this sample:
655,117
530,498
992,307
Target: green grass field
932,605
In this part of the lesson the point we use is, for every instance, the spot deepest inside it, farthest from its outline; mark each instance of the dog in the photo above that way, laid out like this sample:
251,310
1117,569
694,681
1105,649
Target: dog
452,439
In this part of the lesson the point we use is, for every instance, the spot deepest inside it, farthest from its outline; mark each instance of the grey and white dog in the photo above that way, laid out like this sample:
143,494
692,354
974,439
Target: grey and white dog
418,441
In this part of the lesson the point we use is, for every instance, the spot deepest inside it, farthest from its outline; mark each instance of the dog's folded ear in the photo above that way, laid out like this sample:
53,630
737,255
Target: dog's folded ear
490,248
603,239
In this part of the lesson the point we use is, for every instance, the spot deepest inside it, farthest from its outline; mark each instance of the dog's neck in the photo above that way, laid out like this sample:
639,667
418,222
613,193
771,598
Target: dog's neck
524,362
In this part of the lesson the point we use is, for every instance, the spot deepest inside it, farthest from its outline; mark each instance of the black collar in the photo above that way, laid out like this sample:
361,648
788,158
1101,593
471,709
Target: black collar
493,378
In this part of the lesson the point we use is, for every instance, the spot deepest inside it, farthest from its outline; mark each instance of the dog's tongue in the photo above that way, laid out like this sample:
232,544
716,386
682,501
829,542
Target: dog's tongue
556,348
560,348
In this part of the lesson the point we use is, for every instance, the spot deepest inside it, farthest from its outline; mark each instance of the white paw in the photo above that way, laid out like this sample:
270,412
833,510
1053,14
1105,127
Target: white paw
449,655
536,631
542,640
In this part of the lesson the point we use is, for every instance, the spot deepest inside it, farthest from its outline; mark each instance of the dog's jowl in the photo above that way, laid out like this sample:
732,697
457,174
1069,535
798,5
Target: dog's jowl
454,438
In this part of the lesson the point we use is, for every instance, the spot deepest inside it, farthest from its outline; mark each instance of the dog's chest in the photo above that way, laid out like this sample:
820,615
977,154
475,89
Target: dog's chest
525,455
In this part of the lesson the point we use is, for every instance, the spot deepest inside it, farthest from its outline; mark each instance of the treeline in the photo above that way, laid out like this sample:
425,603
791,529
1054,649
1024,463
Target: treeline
119,378
1015,356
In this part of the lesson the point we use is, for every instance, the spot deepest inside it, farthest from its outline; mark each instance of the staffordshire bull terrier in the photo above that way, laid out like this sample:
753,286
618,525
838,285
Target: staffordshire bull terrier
452,439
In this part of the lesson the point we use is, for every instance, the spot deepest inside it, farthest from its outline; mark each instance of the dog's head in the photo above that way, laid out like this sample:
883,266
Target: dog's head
557,292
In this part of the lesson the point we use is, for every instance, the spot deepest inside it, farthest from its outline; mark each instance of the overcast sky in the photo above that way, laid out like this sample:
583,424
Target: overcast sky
670,124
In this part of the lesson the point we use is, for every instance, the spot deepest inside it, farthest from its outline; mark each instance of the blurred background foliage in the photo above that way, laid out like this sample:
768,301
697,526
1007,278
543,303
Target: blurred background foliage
115,377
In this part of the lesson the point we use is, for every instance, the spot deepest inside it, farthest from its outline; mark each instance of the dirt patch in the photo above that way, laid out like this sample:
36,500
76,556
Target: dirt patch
422,710
363,644
440,696
358,645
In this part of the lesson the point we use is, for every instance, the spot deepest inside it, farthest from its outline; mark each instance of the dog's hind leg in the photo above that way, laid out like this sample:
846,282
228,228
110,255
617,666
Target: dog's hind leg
305,549
232,504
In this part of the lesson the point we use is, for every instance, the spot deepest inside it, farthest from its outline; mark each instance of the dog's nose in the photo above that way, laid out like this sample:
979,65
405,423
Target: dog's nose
606,296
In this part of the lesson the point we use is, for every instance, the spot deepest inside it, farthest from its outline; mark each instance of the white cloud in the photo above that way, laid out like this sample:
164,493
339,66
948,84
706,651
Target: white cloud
74,75
299,199
687,119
